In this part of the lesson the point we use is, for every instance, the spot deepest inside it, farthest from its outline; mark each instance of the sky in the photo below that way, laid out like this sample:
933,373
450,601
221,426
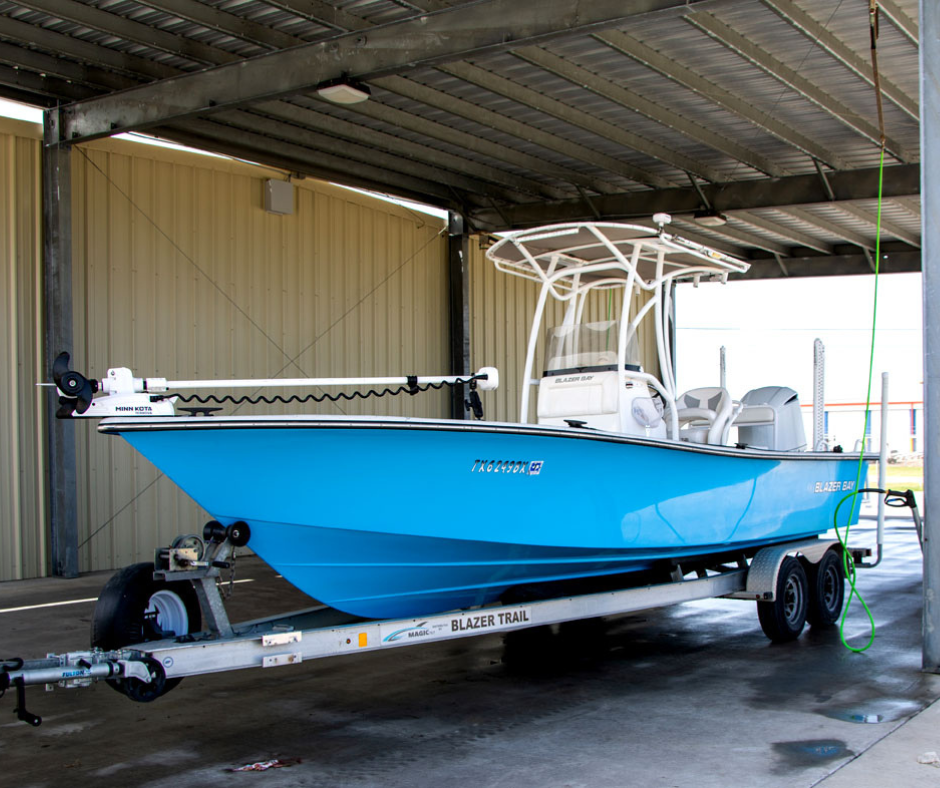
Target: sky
768,328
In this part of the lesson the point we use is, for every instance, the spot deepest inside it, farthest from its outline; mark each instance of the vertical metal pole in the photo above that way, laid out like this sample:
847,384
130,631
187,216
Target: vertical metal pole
723,361
819,396
57,317
458,287
883,460
930,263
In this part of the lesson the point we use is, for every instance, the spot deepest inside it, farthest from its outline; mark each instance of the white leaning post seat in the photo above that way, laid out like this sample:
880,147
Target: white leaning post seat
705,415
590,397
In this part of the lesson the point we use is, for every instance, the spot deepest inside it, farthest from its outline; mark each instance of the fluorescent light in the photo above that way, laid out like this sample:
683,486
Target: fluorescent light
344,91
710,218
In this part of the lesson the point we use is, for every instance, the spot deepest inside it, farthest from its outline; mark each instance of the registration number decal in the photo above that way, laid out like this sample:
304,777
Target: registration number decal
524,467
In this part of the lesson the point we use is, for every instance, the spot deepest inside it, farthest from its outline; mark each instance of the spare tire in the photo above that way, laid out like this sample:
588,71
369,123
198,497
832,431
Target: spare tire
133,608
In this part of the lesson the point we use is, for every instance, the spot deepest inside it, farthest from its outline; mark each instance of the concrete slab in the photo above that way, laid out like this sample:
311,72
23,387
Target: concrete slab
895,757
687,696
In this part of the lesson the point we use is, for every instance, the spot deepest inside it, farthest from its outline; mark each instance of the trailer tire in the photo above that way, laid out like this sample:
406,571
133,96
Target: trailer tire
132,608
826,589
783,619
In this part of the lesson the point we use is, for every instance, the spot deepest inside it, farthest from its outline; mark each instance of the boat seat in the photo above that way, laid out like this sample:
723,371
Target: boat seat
705,415
771,419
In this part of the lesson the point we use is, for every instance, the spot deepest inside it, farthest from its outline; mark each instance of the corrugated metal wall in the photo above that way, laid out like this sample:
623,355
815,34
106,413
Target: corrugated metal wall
22,482
181,273
501,310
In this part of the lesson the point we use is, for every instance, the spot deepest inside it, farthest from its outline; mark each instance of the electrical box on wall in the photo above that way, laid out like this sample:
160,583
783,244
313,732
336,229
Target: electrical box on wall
278,196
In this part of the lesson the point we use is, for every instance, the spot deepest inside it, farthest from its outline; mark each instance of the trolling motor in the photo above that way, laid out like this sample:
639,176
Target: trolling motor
125,395
75,390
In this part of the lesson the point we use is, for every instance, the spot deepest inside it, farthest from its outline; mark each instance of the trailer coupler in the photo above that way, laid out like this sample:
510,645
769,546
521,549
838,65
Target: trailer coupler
75,669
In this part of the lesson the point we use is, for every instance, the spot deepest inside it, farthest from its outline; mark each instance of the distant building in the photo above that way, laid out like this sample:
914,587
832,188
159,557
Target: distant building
845,424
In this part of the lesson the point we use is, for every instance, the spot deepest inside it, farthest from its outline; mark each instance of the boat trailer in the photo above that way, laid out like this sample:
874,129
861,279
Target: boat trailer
792,583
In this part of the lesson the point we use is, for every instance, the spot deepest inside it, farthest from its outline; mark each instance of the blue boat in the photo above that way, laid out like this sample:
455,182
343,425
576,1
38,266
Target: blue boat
388,518
617,474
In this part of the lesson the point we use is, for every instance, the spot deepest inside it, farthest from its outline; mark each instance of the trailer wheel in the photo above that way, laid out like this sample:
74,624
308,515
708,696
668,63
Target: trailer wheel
132,608
826,590
783,619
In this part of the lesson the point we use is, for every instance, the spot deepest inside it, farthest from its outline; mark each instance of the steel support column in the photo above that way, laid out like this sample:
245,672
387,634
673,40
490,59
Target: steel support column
458,289
930,225
57,317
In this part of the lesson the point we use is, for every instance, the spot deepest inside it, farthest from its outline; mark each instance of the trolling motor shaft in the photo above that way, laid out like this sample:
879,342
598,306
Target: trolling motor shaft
125,395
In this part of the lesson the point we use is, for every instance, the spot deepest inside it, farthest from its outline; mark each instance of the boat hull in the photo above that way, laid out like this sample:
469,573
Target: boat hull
398,517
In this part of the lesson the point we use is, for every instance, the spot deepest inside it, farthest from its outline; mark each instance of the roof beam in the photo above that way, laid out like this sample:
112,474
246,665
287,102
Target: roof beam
257,147
908,27
819,35
798,238
49,66
909,204
901,180
26,96
136,32
322,13
318,143
887,226
688,232
632,47
569,114
292,113
740,237
33,35
53,87
737,43
448,35
485,117
480,145
834,265
230,24
631,100
831,227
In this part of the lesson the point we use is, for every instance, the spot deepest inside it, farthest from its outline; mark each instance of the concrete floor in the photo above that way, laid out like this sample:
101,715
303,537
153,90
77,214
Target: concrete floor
687,696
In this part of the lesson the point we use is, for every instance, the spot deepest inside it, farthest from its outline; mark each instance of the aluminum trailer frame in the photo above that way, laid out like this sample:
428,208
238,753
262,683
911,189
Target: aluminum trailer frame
295,637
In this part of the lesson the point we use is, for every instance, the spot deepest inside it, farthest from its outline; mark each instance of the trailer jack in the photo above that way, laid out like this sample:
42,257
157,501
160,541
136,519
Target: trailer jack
5,681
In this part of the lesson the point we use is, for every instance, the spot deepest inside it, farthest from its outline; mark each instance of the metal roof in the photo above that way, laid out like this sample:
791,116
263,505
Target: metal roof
522,112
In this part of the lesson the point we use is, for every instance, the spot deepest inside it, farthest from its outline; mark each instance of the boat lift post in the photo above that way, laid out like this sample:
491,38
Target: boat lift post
819,395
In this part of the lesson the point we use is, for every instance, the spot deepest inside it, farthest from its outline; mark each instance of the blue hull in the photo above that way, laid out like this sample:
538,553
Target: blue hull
396,518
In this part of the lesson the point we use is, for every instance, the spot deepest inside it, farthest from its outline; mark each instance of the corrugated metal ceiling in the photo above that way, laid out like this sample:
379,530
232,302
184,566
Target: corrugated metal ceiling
661,105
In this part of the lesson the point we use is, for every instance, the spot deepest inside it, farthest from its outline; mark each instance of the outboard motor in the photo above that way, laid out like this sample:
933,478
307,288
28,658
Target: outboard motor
772,419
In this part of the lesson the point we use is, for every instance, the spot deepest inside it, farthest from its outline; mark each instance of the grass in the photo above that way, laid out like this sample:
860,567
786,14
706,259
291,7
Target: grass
899,477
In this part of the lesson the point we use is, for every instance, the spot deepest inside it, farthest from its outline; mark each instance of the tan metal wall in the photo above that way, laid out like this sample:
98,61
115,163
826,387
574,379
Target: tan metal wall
22,480
501,310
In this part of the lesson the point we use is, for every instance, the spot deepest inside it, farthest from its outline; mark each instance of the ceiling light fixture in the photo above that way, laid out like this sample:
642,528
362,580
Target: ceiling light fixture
343,91
710,218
